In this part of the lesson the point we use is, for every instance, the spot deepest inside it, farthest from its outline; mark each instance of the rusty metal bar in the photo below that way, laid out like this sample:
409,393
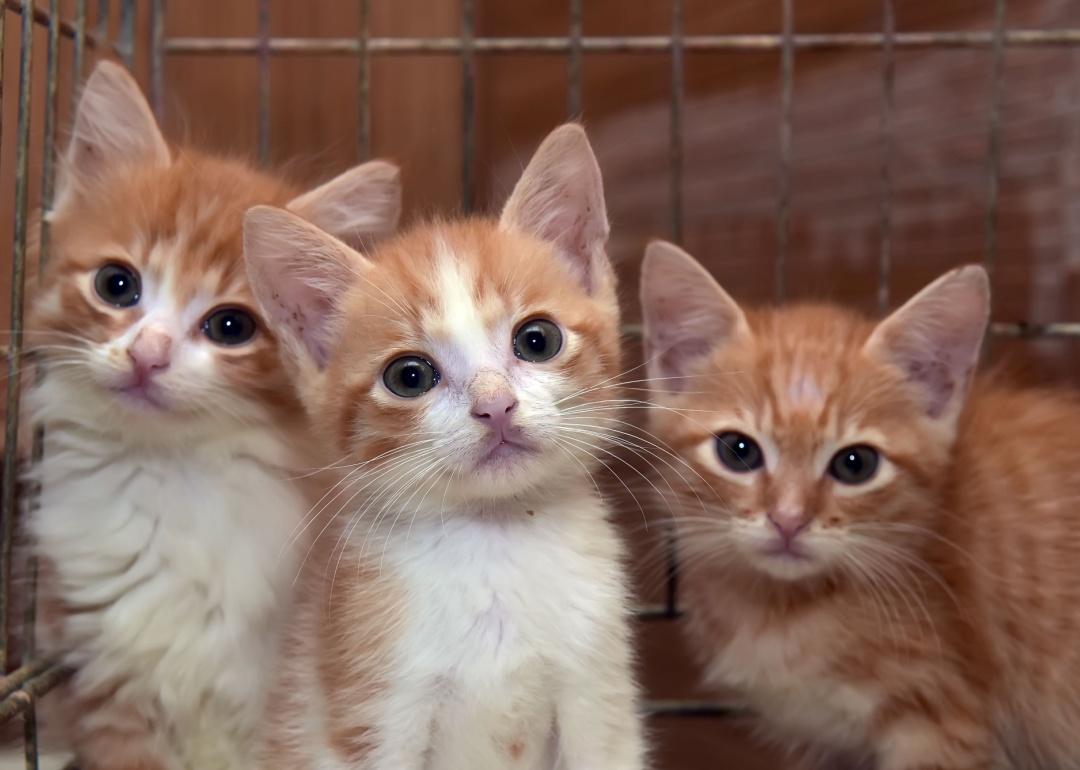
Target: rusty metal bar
126,43
573,90
103,15
157,58
22,699
694,708
641,44
20,676
78,52
468,105
888,89
9,502
993,155
783,198
675,130
1017,329
49,129
264,79
41,17
363,127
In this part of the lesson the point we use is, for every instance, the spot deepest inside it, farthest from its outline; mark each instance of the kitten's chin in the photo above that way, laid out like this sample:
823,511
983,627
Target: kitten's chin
789,567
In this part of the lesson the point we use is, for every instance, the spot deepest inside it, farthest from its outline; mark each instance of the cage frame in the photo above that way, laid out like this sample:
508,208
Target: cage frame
24,685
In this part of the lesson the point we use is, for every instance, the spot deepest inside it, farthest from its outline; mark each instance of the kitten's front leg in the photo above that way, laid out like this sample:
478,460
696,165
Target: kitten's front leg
404,729
597,718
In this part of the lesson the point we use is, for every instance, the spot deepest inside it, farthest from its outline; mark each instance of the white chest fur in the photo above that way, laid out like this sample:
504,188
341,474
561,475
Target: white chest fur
172,567
499,615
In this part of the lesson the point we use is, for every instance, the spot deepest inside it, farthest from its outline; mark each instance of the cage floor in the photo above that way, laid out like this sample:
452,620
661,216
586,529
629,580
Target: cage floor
12,759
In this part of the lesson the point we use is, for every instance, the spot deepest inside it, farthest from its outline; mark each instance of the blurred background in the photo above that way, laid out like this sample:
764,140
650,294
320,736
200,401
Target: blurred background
849,150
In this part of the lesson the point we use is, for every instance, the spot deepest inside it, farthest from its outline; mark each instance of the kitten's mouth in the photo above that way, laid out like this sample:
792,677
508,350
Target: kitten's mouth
502,450
786,550
143,394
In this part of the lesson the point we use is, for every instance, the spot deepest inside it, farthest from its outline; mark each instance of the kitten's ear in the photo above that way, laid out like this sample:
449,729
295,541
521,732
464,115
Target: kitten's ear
686,314
936,336
560,199
113,126
299,275
358,206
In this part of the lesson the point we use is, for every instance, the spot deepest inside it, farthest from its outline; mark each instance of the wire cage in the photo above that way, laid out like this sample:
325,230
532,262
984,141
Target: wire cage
46,47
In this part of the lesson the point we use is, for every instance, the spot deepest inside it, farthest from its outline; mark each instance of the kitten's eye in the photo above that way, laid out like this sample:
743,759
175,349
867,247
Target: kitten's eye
118,285
229,326
410,376
739,452
537,340
854,464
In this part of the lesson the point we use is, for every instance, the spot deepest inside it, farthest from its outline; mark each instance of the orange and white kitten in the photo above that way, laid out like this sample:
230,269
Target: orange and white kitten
170,436
882,558
466,607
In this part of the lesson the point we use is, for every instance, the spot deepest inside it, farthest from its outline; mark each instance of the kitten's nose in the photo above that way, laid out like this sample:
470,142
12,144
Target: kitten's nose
150,350
788,522
495,410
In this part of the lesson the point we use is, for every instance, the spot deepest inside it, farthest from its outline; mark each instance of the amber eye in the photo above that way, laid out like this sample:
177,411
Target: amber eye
410,376
118,285
739,452
229,326
537,340
854,464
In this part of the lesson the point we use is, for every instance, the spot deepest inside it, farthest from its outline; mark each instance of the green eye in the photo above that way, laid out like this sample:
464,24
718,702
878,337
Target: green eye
739,452
537,340
118,285
854,464
410,376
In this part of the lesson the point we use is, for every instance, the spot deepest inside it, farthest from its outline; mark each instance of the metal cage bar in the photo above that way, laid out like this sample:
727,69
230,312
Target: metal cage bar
888,88
363,127
630,44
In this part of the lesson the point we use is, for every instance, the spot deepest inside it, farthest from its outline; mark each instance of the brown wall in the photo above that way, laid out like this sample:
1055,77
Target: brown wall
937,168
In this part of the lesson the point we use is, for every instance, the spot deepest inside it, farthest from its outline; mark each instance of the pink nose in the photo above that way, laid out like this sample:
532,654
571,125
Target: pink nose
150,351
788,523
495,410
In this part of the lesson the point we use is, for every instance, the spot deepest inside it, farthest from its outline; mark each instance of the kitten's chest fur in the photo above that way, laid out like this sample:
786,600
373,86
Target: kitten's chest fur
786,671
168,566
499,613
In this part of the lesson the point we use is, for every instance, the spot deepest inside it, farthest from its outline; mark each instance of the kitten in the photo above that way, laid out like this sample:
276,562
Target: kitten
170,436
884,563
467,608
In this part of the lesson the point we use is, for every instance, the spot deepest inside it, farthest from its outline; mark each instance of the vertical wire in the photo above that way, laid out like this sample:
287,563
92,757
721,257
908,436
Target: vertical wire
102,27
783,202
363,138
127,33
573,91
993,156
888,79
264,80
675,229
78,52
10,480
157,58
675,135
468,104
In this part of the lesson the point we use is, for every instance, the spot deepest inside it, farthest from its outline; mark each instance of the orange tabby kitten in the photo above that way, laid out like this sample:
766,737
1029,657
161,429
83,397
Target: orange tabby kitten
884,563
171,434
467,608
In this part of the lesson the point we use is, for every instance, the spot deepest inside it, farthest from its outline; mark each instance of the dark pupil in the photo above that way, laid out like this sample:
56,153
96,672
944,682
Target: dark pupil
535,341
118,284
853,462
411,376
742,449
231,326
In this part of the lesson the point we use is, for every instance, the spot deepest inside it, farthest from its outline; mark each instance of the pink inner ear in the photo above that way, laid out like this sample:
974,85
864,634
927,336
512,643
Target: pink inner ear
307,313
